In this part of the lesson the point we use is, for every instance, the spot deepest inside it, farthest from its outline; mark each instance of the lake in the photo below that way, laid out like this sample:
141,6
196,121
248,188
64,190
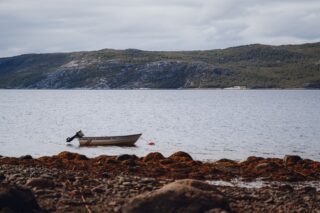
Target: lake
208,124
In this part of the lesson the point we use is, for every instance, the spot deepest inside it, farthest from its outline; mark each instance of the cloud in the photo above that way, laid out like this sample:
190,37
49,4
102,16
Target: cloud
75,25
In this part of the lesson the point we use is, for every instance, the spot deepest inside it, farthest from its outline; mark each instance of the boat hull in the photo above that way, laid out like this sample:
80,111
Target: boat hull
125,140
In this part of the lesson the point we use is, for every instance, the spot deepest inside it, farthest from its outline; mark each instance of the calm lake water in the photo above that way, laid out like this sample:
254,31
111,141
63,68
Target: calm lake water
208,124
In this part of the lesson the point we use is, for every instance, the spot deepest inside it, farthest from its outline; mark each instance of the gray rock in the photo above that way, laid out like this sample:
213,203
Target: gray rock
147,180
120,179
13,177
187,196
116,209
112,203
47,176
309,189
2,177
17,199
87,192
26,157
126,184
105,175
40,183
98,189
216,210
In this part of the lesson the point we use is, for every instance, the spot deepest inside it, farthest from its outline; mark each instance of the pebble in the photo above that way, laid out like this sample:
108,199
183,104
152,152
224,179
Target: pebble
147,180
117,208
87,192
112,203
47,176
133,191
2,177
40,183
120,179
14,177
309,189
98,189
126,184
105,175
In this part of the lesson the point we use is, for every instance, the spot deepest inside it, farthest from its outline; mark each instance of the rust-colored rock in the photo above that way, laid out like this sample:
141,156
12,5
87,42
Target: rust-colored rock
251,159
166,161
181,156
269,166
225,160
72,156
153,156
289,160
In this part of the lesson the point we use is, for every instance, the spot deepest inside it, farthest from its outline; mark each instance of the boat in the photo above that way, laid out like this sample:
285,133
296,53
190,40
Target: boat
123,140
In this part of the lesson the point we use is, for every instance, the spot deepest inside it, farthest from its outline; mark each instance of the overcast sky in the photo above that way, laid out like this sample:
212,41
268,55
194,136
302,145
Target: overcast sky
38,26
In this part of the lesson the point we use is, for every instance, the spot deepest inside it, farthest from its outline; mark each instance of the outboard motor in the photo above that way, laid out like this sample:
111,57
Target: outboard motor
79,134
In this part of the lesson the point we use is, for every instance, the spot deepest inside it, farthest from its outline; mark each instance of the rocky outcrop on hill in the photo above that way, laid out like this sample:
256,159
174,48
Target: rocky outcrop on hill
112,74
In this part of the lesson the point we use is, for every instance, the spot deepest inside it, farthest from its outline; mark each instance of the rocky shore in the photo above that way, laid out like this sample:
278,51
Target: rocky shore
70,182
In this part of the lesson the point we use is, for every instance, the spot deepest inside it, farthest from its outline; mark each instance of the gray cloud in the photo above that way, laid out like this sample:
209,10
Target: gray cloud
73,25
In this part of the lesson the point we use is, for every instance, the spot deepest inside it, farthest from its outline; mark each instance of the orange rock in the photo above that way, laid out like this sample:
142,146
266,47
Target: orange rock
181,156
71,156
291,159
153,156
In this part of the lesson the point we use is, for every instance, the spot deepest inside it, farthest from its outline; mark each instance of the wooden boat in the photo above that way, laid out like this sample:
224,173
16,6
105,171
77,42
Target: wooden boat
124,140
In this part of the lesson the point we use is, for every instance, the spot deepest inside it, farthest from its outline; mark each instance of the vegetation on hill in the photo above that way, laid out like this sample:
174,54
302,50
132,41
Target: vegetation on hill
253,66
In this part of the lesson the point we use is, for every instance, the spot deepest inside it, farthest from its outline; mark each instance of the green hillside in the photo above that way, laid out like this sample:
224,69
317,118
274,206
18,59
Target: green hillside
253,66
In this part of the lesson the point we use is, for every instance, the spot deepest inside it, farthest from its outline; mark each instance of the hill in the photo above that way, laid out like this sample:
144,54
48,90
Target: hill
253,66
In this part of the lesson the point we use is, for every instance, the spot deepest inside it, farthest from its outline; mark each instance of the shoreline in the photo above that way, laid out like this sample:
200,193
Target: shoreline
179,165
71,182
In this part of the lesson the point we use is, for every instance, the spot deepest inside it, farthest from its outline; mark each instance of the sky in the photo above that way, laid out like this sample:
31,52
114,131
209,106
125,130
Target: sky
42,26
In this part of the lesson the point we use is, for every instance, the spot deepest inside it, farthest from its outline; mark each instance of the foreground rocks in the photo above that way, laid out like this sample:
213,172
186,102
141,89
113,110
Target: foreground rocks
184,196
70,182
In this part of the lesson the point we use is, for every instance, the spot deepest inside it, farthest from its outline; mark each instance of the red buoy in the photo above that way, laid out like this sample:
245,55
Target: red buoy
151,143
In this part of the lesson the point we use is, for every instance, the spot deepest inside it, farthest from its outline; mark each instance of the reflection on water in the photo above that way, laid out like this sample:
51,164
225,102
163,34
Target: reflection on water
208,124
